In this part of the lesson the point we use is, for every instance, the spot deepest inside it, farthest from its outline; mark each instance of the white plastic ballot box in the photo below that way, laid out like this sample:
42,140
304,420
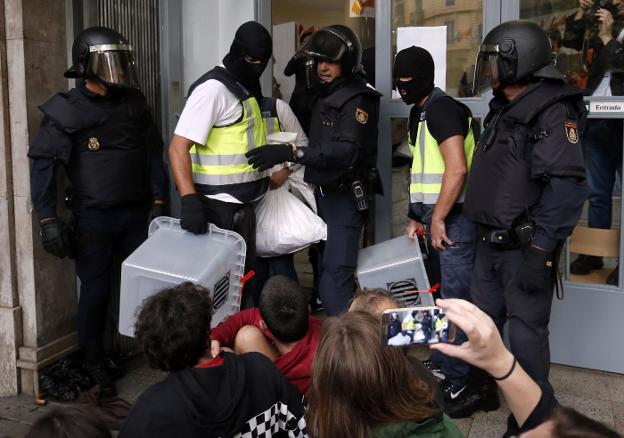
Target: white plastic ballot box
395,265
171,256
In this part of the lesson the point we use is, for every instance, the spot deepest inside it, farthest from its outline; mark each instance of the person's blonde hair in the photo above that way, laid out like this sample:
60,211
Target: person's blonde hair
357,383
373,301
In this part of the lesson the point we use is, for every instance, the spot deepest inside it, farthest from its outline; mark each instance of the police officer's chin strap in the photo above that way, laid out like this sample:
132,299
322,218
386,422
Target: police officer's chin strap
327,88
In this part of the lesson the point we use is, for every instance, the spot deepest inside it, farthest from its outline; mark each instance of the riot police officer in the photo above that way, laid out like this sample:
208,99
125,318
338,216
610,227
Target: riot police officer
340,157
104,136
526,187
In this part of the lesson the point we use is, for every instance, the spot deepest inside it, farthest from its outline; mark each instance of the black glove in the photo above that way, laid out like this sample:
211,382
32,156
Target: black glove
535,272
56,238
193,214
157,210
269,155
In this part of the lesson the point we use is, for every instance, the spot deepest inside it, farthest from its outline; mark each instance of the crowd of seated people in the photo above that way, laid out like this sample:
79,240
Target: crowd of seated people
277,371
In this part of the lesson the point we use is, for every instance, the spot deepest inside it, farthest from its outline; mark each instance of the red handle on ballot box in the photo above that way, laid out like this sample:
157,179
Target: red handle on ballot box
248,276
431,290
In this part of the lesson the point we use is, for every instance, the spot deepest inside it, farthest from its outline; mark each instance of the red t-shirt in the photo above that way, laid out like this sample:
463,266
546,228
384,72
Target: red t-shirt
296,365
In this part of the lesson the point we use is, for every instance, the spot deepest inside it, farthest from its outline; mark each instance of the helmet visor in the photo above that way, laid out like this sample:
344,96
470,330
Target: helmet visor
326,44
113,64
486,70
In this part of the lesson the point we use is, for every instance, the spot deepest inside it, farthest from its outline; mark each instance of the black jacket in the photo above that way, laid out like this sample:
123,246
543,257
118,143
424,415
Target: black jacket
109,145
529,159
343,133
241,397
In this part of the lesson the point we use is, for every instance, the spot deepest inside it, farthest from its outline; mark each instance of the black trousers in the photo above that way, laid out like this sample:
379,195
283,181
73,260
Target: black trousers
240,218
495,291
340,252
103,236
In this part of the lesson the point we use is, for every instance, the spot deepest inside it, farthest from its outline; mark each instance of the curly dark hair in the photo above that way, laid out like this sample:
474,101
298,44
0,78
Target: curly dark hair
284,308
173,326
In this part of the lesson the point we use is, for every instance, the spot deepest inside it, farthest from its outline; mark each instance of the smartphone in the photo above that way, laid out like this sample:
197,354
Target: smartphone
416,325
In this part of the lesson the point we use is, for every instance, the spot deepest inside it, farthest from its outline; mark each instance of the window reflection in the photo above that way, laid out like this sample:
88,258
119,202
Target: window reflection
464,22
587,40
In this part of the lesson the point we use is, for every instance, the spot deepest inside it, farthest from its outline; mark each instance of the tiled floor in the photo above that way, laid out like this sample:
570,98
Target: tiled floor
596,394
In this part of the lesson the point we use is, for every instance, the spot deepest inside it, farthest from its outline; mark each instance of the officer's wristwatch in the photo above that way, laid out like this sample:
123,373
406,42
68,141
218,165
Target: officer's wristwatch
298,154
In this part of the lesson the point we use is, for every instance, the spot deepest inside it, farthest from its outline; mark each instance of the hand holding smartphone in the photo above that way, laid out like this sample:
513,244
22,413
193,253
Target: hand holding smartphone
416,325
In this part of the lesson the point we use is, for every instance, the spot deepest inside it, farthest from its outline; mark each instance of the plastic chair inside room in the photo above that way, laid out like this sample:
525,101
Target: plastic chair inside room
595,242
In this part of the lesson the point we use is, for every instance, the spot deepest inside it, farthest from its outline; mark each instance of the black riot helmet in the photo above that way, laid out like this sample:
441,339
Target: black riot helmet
103,54
512,52
336,43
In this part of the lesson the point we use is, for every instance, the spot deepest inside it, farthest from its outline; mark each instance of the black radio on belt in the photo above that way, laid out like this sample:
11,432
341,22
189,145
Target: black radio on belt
359,194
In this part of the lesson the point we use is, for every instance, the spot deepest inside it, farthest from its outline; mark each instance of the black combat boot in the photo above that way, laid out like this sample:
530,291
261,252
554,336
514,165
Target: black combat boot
95,365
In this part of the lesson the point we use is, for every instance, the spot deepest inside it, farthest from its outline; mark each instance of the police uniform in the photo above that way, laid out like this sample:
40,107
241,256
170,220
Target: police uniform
220,123
527,169
342,149
230,187
112,152
455,263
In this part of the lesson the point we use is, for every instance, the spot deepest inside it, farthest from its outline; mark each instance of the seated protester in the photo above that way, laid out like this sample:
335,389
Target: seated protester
281,328
362,389
373,301
69,422
532,404
204,395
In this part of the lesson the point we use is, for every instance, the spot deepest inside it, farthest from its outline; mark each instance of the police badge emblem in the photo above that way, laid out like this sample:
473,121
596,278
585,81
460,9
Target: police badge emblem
571,132
361,116
94,144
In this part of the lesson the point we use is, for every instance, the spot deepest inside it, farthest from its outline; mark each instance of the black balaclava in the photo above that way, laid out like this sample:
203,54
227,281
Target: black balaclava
253,40
417,63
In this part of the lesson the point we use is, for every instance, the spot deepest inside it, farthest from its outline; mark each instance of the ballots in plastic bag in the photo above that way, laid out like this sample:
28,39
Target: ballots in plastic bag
301,189
284,224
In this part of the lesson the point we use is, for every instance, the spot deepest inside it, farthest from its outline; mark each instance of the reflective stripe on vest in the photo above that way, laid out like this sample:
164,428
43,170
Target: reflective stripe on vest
428,165
222,159
271,125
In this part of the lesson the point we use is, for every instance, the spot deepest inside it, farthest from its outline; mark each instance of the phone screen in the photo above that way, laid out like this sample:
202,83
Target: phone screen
416,325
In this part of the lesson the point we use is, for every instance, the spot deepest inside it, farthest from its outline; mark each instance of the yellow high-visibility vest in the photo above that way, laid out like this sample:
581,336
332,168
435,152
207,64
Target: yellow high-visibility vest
269,116
221,160
428,165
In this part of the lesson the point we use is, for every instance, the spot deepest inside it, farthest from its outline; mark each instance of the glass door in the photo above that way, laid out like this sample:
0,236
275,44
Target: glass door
458,27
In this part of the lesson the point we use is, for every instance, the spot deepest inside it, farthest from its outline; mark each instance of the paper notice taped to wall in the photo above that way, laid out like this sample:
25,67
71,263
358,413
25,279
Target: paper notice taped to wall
431,38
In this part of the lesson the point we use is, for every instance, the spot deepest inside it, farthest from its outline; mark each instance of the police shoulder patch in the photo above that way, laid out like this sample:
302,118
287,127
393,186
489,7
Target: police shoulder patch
571,132
361,116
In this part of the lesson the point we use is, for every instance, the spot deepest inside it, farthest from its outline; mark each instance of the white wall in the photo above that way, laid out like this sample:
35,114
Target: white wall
208,28
284,39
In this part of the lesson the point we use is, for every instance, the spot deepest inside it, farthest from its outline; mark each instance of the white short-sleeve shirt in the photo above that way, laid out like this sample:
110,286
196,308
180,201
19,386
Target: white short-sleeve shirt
210,104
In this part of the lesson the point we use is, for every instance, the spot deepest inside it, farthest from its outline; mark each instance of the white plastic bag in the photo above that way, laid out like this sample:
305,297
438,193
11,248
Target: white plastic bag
284,224
301,189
